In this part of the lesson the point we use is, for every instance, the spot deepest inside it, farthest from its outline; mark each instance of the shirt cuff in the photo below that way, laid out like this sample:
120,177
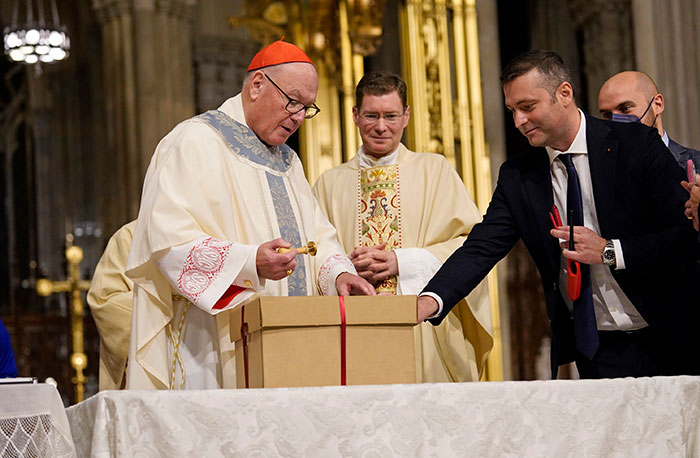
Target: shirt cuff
248,277
438,299
619,258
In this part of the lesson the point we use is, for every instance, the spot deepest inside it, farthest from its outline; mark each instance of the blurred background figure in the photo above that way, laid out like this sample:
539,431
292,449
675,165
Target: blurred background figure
8,367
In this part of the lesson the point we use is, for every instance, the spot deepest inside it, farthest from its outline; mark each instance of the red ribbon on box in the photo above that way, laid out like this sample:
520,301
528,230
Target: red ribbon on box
245,345
343,359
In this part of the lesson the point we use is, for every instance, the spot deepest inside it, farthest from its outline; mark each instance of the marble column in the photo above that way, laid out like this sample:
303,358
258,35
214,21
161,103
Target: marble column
604,34
220,66
149,83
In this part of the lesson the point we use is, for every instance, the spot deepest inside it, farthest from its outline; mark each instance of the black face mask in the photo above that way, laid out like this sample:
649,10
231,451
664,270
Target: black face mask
632,118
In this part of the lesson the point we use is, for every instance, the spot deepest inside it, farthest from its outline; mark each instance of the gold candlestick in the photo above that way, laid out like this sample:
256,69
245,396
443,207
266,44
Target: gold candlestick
75,286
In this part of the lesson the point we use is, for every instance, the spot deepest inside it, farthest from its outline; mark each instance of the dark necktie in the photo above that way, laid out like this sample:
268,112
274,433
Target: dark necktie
585,327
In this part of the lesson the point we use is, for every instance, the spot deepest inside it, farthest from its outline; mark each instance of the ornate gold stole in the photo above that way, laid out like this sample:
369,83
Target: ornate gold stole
379,212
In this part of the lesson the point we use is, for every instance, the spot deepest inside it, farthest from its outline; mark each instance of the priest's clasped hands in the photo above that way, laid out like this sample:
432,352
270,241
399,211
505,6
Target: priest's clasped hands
273,264
375,263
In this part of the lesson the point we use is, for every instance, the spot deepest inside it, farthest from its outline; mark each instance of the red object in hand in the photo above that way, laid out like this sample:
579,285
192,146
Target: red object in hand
573,268
573,279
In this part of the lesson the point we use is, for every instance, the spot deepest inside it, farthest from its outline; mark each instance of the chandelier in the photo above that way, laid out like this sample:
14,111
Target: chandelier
34,40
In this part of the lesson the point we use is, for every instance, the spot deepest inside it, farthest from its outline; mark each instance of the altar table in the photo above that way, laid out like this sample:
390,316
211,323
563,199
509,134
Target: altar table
645,417
33,422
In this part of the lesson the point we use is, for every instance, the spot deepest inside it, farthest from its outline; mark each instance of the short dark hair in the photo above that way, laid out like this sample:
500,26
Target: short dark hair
380,83
548,63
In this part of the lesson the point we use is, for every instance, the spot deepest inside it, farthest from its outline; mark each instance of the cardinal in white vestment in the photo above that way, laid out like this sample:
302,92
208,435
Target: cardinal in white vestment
400,215
222,195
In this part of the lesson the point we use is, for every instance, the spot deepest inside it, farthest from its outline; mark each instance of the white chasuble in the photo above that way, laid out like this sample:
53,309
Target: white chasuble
212,194
420,207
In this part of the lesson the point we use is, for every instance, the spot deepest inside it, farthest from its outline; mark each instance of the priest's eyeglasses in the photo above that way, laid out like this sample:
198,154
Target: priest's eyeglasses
294,106
389,118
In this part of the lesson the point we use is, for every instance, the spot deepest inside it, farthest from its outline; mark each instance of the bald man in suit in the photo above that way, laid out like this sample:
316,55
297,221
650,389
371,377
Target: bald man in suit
634,97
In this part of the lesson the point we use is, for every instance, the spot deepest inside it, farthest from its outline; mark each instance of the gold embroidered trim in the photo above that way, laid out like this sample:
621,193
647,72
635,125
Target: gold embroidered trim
379,212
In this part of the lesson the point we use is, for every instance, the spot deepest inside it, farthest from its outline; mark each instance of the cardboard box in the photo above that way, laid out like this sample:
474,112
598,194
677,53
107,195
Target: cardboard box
296,341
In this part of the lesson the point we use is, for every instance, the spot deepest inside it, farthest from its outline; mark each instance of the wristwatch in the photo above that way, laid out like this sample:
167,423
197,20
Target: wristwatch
608,254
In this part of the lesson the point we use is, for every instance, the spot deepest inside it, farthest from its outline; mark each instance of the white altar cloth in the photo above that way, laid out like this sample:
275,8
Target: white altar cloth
645,417
33,422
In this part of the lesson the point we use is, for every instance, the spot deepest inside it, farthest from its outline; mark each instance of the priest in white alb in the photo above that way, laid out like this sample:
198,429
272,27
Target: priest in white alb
110,298
222,195
400,215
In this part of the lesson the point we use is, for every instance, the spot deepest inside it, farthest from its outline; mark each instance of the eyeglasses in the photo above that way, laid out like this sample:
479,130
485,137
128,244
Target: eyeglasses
294,106
389,118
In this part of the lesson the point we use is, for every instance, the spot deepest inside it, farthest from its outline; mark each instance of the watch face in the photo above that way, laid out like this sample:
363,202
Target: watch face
609,255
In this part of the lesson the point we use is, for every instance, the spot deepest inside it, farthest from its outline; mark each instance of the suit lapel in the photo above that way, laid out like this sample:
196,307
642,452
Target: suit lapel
680,152
602,160
538,188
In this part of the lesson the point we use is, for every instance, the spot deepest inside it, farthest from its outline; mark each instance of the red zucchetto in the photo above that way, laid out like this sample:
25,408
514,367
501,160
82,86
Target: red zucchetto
279,52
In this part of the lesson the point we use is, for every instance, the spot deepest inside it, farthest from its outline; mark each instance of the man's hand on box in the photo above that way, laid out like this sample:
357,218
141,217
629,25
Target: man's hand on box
273,265
374,263
427,306
348,284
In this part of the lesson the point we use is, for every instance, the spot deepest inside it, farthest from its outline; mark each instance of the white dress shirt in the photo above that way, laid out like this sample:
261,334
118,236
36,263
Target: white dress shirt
613,309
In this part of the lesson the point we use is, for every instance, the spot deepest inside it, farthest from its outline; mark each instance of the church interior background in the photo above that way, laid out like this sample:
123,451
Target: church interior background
76,136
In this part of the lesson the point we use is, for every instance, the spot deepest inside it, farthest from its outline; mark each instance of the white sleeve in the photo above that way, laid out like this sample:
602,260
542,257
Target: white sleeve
204,269
333,266
416,267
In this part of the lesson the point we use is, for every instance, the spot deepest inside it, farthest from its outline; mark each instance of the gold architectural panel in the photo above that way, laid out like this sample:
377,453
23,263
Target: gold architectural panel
365,25
266,21
440,58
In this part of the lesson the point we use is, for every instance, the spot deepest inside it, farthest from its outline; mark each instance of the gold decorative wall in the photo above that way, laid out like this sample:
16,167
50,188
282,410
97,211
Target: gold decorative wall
440,59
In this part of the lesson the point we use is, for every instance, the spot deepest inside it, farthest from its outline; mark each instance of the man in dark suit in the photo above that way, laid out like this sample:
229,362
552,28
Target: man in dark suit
619,187
634,97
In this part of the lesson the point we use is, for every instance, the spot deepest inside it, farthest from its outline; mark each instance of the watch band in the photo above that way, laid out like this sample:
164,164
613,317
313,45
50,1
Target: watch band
608,254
